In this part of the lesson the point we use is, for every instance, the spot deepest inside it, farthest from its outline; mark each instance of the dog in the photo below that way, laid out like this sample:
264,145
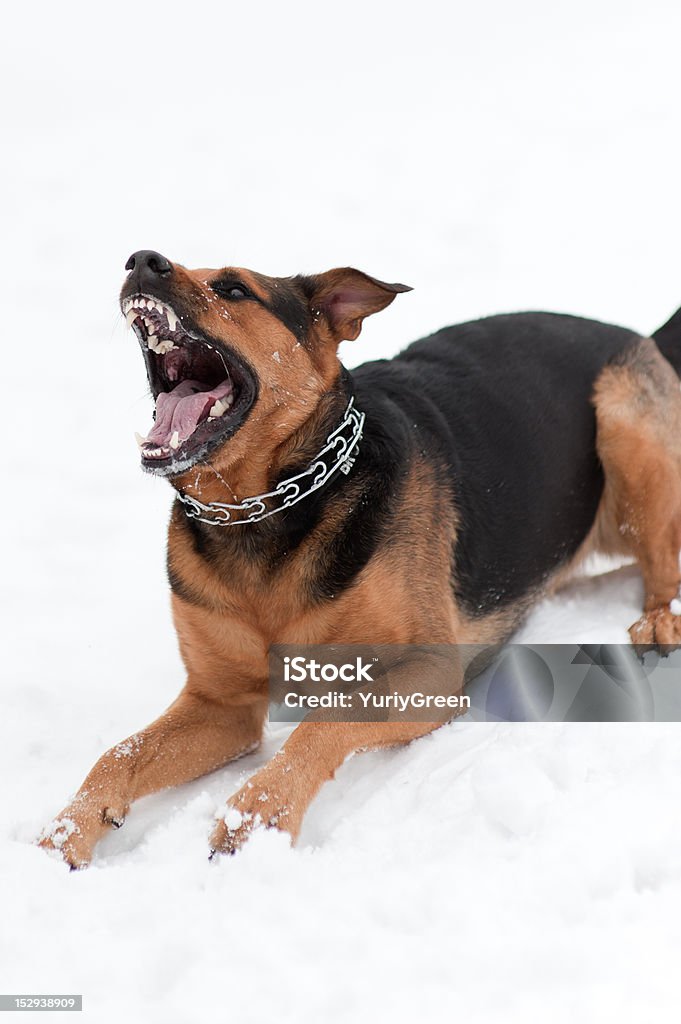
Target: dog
479,467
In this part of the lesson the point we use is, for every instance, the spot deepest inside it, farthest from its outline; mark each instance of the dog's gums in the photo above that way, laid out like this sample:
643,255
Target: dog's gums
200,391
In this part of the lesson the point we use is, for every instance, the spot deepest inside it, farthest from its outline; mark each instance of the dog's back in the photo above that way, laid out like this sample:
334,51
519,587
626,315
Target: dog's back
505,402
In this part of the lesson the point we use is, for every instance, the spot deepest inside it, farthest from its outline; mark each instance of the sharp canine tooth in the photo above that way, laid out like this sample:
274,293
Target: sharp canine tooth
130,316
175,440
140,440
172,319
217,409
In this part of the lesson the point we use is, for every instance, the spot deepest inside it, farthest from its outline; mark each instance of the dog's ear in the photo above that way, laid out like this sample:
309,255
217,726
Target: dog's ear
345,296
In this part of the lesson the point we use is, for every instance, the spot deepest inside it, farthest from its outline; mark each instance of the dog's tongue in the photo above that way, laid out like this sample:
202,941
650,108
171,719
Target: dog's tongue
183,408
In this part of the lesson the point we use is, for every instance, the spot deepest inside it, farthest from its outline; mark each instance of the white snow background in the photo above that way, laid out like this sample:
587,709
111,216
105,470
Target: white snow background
496,157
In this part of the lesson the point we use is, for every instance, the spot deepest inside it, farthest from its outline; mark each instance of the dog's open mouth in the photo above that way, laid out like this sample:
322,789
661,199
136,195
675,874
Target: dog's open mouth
201,390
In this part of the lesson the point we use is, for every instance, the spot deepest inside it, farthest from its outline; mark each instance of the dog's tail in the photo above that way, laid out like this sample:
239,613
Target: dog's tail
668,340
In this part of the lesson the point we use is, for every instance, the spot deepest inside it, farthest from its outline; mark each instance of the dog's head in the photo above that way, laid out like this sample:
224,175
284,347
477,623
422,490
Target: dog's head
237,360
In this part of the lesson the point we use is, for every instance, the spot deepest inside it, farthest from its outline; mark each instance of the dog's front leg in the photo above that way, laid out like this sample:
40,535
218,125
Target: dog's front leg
193,737
279,794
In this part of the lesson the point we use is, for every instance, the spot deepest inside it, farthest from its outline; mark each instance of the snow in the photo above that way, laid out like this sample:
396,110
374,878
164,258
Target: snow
495,157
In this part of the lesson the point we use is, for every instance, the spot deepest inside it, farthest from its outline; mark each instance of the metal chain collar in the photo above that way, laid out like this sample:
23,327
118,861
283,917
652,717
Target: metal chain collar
289,492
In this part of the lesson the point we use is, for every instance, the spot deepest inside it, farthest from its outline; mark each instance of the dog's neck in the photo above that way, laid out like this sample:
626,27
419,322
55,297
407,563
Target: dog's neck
265,484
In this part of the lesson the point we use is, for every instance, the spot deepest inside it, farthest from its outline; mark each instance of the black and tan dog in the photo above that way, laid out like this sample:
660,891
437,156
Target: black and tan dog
493,456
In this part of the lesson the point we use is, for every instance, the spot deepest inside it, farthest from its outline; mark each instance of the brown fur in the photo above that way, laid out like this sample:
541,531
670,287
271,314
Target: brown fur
638,411
226,621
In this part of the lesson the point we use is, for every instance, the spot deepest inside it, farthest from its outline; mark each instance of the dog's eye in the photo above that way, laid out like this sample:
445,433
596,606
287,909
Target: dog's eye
231,291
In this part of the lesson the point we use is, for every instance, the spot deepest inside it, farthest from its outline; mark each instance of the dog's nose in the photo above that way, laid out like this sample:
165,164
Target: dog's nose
146,261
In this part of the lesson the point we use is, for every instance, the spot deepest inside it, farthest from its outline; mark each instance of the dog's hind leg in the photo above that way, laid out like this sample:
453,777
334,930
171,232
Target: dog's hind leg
638,414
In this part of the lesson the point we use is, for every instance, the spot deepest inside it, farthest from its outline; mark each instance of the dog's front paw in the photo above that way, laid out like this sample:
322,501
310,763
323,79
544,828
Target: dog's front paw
257,805
76,831
657,628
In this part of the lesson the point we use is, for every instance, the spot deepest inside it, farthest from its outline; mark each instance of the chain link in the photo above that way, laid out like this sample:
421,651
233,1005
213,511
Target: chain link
289,492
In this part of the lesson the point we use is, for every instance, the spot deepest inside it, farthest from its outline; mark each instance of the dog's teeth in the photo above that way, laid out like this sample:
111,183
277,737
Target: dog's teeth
130,317
217,409
141,441
172,319
160,345
175,441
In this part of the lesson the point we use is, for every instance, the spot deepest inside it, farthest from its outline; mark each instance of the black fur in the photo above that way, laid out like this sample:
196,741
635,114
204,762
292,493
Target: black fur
287,302
284,300
507,402
668,340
